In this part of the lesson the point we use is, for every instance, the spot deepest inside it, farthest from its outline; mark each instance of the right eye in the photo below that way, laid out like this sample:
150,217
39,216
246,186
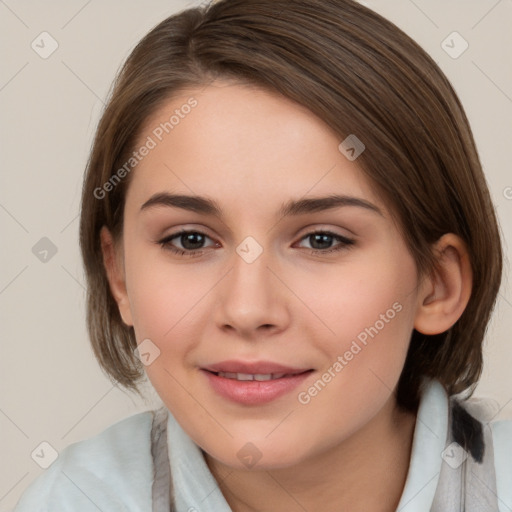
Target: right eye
189,240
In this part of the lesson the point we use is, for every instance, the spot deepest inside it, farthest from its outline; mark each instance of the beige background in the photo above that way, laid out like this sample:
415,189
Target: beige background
52,389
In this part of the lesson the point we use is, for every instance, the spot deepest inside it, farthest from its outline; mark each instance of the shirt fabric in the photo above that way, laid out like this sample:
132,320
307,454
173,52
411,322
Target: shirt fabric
114,471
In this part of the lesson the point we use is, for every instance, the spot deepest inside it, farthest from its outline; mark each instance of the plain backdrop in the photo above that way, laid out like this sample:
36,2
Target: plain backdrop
52,389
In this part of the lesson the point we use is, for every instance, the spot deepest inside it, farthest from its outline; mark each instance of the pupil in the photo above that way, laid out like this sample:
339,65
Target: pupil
321,238
192,240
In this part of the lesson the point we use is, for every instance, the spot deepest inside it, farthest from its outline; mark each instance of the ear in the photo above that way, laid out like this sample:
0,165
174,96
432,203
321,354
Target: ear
445,294
112,260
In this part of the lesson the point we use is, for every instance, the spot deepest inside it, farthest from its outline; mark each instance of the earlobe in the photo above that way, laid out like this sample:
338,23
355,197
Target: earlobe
445,294
115,275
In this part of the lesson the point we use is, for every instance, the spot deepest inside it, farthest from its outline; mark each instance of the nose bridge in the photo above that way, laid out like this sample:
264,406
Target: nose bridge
251,263
251,296
251,277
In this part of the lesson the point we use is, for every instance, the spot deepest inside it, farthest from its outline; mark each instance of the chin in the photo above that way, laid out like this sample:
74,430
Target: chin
259,455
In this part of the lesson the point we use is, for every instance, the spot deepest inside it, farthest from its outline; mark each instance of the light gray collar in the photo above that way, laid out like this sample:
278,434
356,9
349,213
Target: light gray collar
195,488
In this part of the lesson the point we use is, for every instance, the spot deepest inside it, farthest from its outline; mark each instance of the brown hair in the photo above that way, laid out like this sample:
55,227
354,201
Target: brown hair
360,74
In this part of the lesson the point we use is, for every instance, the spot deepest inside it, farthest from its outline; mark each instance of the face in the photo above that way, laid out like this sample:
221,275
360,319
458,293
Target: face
276,327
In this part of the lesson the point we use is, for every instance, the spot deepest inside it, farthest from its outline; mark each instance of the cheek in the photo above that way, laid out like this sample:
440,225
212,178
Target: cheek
162,295
170,307
369,296
369,309
364,358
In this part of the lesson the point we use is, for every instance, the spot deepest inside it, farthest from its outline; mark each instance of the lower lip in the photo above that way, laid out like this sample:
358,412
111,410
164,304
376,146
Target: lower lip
254,392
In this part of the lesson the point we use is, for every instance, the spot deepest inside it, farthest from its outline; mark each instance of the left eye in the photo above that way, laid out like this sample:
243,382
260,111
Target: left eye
323,238
192,241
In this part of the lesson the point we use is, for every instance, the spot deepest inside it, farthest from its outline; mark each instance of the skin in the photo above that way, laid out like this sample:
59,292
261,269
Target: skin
252,150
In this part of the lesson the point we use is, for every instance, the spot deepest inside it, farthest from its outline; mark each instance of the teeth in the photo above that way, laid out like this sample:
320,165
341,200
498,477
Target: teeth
250,376
261,376
244,376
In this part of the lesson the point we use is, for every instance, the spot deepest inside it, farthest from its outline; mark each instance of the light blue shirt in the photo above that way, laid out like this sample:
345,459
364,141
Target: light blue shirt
113,471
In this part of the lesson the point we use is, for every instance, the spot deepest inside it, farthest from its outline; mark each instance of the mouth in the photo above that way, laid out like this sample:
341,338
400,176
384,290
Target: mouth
234,367
253,383
261,377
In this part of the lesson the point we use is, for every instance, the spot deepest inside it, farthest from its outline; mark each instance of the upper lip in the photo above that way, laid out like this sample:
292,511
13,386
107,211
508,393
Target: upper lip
253,368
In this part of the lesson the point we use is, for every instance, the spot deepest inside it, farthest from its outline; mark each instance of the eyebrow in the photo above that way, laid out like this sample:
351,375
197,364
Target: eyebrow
208,206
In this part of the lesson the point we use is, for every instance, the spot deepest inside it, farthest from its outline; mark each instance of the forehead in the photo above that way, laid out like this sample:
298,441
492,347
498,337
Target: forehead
233,141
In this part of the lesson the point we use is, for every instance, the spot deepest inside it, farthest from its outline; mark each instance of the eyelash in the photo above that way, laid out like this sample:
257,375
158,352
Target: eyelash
165,243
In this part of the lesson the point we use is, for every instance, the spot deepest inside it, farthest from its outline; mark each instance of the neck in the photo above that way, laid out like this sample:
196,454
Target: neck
364,472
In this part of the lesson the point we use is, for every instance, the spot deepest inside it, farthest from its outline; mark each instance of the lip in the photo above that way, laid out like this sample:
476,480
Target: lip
254,392
233,366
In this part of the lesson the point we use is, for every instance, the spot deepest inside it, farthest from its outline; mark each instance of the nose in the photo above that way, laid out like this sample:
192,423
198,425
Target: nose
252,300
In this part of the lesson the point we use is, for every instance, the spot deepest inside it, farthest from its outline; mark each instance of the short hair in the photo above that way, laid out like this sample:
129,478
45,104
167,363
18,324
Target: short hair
361,75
